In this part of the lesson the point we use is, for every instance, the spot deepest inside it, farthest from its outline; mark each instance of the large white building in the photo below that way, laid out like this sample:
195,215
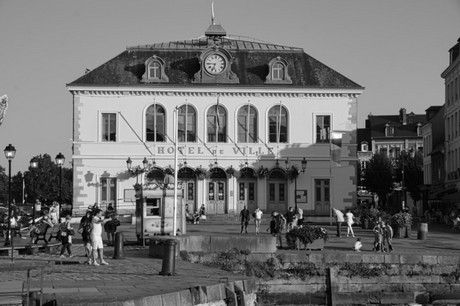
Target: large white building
248,114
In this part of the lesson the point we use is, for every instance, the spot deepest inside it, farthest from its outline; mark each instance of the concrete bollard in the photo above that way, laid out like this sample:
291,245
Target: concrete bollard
169,258
118,247
422,231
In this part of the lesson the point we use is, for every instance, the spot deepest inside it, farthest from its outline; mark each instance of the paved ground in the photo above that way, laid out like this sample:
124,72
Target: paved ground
138,275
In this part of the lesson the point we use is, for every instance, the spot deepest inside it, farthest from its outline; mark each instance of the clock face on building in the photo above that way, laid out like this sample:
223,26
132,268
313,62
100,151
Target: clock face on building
215,63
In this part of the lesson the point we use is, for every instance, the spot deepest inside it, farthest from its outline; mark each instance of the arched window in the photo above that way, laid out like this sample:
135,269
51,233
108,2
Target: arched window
247,124
154,70
217,124
278,71
186,131
277,124
155,123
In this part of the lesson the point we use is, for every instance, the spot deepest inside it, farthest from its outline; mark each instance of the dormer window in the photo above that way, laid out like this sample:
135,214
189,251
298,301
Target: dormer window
278,72
389,130
154,71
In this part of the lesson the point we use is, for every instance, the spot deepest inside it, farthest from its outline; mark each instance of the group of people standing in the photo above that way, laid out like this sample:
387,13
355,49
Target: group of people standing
278,222
90,228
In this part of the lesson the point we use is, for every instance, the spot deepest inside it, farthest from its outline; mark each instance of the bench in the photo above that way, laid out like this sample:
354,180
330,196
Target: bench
54,232
41,234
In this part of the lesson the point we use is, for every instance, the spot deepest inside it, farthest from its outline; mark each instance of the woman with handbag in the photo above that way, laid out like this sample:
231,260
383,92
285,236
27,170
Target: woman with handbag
66,232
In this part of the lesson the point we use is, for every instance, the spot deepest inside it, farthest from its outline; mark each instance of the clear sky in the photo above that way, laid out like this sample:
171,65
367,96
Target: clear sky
396,49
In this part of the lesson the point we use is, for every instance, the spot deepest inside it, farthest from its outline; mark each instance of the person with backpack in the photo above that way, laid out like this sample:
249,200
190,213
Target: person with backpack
67,232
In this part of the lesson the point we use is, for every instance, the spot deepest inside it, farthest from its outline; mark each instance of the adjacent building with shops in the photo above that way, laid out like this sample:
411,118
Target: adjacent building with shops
390,135
245,117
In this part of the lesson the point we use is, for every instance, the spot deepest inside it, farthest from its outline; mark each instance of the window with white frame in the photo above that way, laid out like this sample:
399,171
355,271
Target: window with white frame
247,124
154,71
217,124
109,191
278,124
323,128
109,127
186,131
155,123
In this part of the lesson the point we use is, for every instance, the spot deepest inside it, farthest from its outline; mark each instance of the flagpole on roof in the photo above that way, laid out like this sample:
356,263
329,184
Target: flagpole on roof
212,12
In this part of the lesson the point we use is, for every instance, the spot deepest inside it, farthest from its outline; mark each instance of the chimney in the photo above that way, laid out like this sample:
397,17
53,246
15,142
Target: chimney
402,116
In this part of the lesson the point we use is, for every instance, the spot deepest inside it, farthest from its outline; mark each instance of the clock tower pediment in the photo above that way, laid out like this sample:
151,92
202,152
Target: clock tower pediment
216,67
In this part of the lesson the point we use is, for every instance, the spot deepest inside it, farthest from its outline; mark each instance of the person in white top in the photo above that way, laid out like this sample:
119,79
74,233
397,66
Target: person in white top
96,238
350,220
358,245
258,219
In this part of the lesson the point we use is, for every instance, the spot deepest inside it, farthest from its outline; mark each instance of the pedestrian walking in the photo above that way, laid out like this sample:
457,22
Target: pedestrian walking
257,214
66,233
338,219
407,222
84,229
244,218
387,237
350,221
299,214
96,238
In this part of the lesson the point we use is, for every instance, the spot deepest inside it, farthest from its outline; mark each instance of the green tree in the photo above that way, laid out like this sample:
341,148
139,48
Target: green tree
413,174
43,182
378,177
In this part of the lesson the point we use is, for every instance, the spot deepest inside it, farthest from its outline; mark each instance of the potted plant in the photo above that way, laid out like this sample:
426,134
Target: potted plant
292,173
262,172
307,235
200,173
401,220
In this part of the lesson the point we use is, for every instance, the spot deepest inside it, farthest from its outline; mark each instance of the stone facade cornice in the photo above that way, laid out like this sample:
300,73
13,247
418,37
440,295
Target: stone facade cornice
248,94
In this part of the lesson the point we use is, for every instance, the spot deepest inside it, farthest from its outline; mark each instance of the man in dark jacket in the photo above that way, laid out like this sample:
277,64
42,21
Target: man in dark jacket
244,218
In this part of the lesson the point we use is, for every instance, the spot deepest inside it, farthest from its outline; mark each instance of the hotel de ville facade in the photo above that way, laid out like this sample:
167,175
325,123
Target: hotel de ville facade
252,123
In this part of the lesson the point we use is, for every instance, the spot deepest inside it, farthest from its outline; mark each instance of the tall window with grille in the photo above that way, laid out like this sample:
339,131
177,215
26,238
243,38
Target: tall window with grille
247,124
186,131
109,127
155,123
278,124
217,124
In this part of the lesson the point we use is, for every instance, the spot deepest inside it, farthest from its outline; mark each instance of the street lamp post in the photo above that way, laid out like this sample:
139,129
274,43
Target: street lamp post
33,166
60,159
304,166
10,152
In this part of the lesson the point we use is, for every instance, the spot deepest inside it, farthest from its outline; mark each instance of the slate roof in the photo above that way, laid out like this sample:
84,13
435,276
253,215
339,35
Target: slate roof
377,125
181,58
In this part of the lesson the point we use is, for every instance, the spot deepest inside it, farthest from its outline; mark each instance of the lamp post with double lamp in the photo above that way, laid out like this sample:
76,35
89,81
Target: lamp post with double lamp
60,159
33,166
10,152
